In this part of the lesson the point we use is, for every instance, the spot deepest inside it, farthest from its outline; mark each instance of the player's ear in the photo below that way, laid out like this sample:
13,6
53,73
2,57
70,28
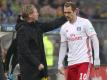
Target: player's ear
77,10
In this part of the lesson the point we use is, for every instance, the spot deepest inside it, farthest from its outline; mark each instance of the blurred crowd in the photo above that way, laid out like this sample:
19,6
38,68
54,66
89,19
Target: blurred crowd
92,9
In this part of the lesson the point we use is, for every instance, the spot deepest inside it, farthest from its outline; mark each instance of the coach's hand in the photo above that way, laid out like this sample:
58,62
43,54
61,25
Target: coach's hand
61,70
41,66
6,75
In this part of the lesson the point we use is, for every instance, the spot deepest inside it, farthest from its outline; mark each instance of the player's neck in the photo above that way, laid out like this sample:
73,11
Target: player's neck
73,20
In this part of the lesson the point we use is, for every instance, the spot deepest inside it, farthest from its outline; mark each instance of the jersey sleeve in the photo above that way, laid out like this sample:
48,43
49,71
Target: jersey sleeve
89,29
63,48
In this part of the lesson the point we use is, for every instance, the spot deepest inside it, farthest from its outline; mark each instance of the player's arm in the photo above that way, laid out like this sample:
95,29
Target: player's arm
95,42
62,52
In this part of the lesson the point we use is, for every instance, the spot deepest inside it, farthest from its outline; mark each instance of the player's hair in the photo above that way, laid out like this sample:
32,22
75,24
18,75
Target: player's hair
71,4
26,10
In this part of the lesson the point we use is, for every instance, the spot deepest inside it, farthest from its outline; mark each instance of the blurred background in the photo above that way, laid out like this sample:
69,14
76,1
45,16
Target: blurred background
94,10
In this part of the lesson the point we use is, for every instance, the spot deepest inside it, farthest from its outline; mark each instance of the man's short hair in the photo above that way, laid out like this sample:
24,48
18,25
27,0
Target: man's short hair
26,10
71,4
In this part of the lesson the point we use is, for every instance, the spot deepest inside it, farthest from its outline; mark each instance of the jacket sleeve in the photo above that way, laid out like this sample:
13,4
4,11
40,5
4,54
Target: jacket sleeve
53,25
8,57
23,36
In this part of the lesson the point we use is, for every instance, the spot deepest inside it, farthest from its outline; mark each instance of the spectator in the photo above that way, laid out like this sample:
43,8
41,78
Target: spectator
47,10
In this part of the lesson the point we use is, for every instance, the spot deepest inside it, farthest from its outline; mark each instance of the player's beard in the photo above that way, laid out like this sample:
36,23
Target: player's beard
70,19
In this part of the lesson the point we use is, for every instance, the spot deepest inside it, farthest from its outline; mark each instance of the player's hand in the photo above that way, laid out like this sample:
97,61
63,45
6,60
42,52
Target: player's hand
41,66
61,70
97,63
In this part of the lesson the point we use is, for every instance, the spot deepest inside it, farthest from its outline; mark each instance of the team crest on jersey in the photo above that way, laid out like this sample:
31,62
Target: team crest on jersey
78,28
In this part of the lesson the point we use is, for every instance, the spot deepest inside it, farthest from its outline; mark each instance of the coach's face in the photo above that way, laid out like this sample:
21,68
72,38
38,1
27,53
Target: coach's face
34,15
69,13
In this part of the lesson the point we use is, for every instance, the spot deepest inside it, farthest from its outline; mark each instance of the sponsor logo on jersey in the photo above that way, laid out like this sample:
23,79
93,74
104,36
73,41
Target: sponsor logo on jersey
74,37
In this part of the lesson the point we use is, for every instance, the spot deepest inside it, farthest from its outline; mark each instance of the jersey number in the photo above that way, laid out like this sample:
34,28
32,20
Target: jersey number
83,76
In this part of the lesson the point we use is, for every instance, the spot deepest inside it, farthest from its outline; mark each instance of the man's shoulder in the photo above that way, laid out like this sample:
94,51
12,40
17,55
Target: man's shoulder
20,25
65,25
82,19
